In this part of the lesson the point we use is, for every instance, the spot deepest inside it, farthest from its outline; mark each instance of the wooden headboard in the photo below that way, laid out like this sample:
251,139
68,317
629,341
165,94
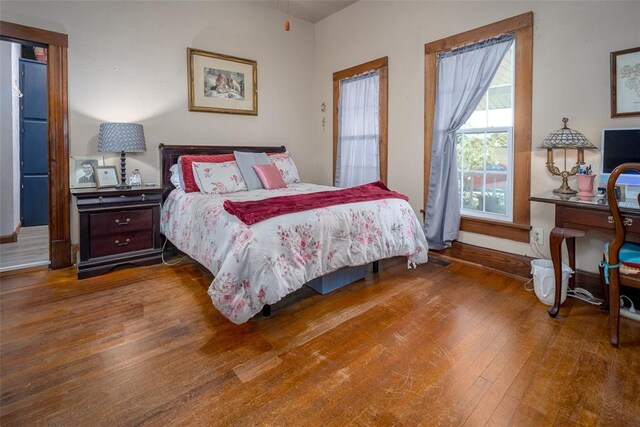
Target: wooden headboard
169,156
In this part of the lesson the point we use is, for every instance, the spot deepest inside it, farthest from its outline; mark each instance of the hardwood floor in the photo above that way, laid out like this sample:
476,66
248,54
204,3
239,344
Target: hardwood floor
437,345
31,249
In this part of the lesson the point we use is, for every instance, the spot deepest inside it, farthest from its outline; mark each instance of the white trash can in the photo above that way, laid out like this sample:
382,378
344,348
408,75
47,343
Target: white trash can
544,282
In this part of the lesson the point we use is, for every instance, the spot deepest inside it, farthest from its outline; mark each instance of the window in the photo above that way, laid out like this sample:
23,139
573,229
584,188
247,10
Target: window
360,124
485,151
494,145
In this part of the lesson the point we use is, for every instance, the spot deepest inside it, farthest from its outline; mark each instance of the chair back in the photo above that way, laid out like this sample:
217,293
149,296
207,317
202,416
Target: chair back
618,219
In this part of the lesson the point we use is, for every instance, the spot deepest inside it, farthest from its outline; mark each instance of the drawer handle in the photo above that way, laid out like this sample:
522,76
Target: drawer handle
125,222
143,197
100,199
119,243
627,222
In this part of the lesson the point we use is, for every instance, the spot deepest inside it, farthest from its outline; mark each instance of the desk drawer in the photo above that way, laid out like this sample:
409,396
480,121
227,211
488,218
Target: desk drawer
634,227
119,243
583,219
120,221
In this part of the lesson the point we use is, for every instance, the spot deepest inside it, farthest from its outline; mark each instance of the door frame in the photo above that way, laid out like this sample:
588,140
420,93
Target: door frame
57,134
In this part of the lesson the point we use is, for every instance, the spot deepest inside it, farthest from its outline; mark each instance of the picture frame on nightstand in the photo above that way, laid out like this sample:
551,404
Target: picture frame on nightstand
81,171
106,176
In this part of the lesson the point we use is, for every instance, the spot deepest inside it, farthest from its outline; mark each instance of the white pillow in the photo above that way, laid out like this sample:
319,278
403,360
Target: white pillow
180,172
285,165
175,176
218,178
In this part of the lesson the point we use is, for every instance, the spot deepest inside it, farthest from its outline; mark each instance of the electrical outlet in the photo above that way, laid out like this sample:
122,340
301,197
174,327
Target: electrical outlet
537,235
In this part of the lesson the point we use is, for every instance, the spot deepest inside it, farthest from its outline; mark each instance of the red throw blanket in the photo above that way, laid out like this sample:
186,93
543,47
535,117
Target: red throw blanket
259,210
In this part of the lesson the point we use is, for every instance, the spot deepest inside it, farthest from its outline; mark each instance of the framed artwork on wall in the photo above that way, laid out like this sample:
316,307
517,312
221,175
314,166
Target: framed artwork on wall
106,176
222,83
81,171
625,83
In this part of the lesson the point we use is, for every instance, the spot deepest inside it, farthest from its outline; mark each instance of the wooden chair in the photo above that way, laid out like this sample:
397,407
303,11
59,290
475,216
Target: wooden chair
619,242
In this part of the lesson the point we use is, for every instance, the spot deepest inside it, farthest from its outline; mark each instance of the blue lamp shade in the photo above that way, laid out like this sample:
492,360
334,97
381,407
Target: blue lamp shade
121,137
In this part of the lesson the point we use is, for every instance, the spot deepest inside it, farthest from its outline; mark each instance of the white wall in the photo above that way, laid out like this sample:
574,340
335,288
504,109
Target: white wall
572,42
128,62
9,139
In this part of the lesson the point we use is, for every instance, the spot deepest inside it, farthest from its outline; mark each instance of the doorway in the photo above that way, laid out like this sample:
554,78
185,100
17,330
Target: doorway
24,231
56,203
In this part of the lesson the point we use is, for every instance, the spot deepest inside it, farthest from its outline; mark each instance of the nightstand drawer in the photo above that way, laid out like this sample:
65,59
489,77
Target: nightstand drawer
108,199
120,221
118,243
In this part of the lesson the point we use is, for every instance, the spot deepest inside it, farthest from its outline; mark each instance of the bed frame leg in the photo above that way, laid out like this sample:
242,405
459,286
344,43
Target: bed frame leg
266,310
376,266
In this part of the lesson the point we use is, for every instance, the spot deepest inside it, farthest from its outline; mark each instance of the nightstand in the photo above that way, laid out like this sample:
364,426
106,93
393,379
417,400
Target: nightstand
118,227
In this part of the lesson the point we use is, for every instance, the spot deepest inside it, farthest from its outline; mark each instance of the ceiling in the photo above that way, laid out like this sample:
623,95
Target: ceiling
308,10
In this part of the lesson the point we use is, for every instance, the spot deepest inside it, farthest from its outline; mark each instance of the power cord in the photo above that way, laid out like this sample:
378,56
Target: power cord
171,263
583,295
538,250
632,309
525,285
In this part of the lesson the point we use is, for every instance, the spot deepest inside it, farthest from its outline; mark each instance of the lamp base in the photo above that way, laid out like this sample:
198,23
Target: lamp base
567,190
123,173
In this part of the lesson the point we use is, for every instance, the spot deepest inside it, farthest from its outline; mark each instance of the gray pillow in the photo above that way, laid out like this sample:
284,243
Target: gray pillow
245,163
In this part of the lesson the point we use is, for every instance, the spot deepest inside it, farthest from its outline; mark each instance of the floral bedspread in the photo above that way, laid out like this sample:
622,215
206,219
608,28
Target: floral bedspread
259,264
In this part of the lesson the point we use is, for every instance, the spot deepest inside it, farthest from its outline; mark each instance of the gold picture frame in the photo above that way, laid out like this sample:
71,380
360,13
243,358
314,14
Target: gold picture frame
106,176
221,83
625,83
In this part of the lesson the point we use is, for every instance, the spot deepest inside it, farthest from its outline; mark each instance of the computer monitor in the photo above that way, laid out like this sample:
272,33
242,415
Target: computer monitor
620,145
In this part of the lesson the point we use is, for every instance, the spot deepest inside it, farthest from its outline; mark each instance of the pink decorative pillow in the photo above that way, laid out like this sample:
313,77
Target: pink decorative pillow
189,184
269,176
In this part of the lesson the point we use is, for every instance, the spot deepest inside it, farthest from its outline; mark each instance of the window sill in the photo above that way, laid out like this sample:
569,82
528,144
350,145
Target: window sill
504,230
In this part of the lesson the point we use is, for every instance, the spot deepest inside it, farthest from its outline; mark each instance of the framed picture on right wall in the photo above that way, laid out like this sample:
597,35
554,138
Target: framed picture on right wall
625,83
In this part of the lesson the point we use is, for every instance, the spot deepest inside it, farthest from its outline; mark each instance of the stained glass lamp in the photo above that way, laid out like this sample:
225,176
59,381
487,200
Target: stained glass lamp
565,138
121,138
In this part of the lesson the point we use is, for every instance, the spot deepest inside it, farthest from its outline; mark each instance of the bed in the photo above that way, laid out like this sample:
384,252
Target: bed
255,266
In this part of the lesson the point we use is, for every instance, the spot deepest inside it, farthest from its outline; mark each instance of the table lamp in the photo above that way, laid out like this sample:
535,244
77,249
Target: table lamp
121,138
565,138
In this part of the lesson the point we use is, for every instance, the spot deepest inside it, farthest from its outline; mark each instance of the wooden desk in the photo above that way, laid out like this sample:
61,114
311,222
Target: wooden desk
574,217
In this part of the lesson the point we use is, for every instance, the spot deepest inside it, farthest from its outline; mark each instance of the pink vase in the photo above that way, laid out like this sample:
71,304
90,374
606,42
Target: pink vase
585,185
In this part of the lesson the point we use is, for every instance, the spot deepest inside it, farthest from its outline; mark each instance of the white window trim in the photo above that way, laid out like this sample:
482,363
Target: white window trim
508,190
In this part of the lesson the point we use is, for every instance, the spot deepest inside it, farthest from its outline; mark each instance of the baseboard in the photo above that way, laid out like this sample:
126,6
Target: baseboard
13,237
75,249
60,251
24,268
513,265
504,262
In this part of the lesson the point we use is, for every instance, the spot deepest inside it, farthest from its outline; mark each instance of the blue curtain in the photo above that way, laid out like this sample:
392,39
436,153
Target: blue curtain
464,76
